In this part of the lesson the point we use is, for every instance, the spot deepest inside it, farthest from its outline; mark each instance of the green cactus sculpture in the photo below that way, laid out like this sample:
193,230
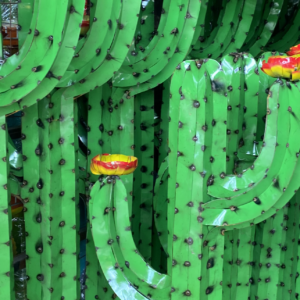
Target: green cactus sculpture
213,118
221,212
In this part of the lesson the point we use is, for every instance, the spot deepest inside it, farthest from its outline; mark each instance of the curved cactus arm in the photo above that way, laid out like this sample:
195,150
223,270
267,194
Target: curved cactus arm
280,183
244,26
184,48
6,249
182,32
225,33
205,11
264,32
144,32
135,261
252,180
63,58
261,11
25,13
15,60
101,229
160,204
116,55
38,61
165,48
214,16
137,54
96,10
30,193
91,51
160,40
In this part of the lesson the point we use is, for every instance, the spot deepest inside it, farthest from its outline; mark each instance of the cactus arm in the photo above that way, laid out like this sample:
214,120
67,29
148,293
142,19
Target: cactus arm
126,244
25,12
274,191
86,57
253,177
244,25
199,31
184,47
144,32
6,250
103,238
226,30
41,54
156,60
210,28
155,39
99,16
183,26
63,58
263,36
130,272
33,216
261,12
153,52
116,55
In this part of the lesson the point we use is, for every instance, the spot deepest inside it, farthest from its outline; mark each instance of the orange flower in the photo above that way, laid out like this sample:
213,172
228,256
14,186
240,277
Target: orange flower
282,66
294,50
113,164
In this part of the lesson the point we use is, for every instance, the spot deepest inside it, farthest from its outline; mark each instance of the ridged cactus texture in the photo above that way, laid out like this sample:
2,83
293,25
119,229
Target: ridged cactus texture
212,211
213,121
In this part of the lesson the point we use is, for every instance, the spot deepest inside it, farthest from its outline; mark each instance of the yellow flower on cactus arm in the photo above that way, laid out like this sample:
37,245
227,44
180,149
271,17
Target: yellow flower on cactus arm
282,66
113,164
294,50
